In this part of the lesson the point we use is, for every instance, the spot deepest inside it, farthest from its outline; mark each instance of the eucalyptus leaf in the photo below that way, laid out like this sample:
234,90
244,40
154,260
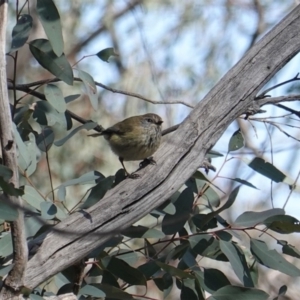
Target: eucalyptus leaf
57,65
6,247
5,172
106,53
236,142
21,32
184,203
50,20
238,262
32,197
252,218
48,210
87,126
45,139
124,271
238,293
91,291
8,211
90,87
55,97
267,169
272,259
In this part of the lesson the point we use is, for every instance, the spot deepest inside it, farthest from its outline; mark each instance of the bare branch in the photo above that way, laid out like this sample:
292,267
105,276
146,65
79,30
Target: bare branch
275,100
113,90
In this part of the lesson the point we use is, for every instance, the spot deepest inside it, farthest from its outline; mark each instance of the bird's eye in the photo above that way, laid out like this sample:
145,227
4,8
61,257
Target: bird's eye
150,121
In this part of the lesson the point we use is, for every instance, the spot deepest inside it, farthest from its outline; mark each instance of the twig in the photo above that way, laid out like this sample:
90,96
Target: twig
113,90
274,100
263,94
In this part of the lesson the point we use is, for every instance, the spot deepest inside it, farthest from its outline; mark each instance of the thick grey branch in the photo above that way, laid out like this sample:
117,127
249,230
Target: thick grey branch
177,159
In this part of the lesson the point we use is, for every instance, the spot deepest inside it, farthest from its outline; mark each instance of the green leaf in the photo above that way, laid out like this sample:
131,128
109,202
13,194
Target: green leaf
149,269
203,184
283,224
55,97
5,172
98,192
164,283
90,177
238,262
272,259
173,271
36,297
177,252
188,292
45,139
236,142
50,20
21,32
32,150
112,292
124,271
90,87
57,65
45,114
188,260
9,188
252,218
87,126
212,279
48,210
212,154
208,246
291,250
244,182
266,169
4,270
6,247
198,221
173,223
238,293
91,291
213,214
281,292
24,159
71,98
106,53
8,211
32,197
129,257
32,226
142,232
167,208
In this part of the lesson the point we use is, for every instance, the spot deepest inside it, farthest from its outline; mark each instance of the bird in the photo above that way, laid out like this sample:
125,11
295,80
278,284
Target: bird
135,138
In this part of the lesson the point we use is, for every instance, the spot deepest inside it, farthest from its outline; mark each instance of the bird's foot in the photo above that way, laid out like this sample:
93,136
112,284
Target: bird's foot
147,161
133,176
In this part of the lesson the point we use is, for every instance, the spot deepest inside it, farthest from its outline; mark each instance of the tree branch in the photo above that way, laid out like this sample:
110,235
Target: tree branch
14,281
24,87
177,159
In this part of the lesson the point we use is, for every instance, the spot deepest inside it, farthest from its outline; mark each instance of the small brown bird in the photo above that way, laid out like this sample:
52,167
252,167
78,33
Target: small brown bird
135,138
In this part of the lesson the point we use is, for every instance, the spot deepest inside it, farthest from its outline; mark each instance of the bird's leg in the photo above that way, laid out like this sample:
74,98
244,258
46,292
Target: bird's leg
129,175
147,161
